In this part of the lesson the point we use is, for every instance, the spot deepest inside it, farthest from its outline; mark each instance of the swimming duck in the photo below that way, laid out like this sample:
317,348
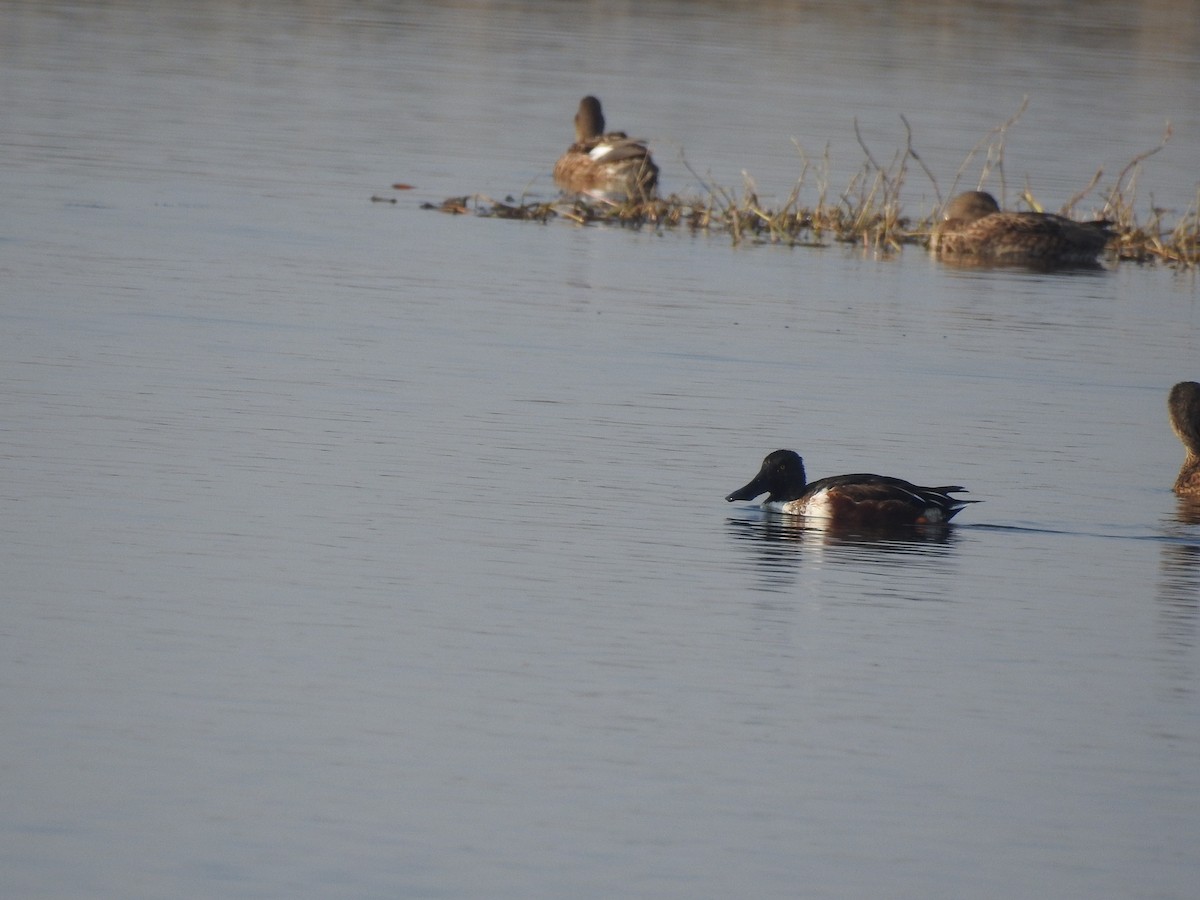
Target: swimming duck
599,163
848,499
974,228
1183,404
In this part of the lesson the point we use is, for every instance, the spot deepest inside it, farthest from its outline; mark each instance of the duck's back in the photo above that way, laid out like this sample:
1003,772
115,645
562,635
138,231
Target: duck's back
1030,236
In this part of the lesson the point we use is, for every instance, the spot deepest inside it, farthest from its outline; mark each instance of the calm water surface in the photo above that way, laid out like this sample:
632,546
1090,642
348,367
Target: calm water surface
354,550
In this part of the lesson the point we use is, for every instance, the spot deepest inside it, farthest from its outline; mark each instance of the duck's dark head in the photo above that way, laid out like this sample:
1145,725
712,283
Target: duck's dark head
781,478
1183,405
589,121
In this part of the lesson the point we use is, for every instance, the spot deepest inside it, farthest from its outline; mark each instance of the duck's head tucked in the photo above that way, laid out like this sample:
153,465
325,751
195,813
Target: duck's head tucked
781,478
970,207
1183,405
974,230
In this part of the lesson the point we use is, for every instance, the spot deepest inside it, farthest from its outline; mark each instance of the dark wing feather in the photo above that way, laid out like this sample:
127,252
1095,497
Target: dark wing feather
891,495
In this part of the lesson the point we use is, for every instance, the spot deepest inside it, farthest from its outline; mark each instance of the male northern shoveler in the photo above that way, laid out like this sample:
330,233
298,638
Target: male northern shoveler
1183,404
974,229
599,163
848,499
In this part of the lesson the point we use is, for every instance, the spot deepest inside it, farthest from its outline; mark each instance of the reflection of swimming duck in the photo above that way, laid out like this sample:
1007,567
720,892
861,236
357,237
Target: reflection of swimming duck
974,228
848,499
1183,404
599,163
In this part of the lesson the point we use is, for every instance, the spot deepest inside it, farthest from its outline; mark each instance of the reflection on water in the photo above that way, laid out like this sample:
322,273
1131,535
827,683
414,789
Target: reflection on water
976,263
780,545
1188,510
1179,579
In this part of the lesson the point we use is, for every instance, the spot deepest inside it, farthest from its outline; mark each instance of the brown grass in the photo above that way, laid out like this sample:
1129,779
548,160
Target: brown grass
868,212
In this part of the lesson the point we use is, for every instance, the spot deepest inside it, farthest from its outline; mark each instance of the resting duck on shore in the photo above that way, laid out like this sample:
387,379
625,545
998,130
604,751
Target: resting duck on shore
871,500
1183,405
599,163
974,229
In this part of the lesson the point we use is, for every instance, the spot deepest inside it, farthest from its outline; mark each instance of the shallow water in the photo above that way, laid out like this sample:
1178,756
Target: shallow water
357,550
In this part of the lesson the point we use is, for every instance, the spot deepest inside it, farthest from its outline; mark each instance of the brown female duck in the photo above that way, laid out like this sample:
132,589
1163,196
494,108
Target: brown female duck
1183,405
605,164
974,229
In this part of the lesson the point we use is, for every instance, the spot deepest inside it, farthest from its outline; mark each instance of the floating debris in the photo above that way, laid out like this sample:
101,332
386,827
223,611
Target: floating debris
882,229
456,206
